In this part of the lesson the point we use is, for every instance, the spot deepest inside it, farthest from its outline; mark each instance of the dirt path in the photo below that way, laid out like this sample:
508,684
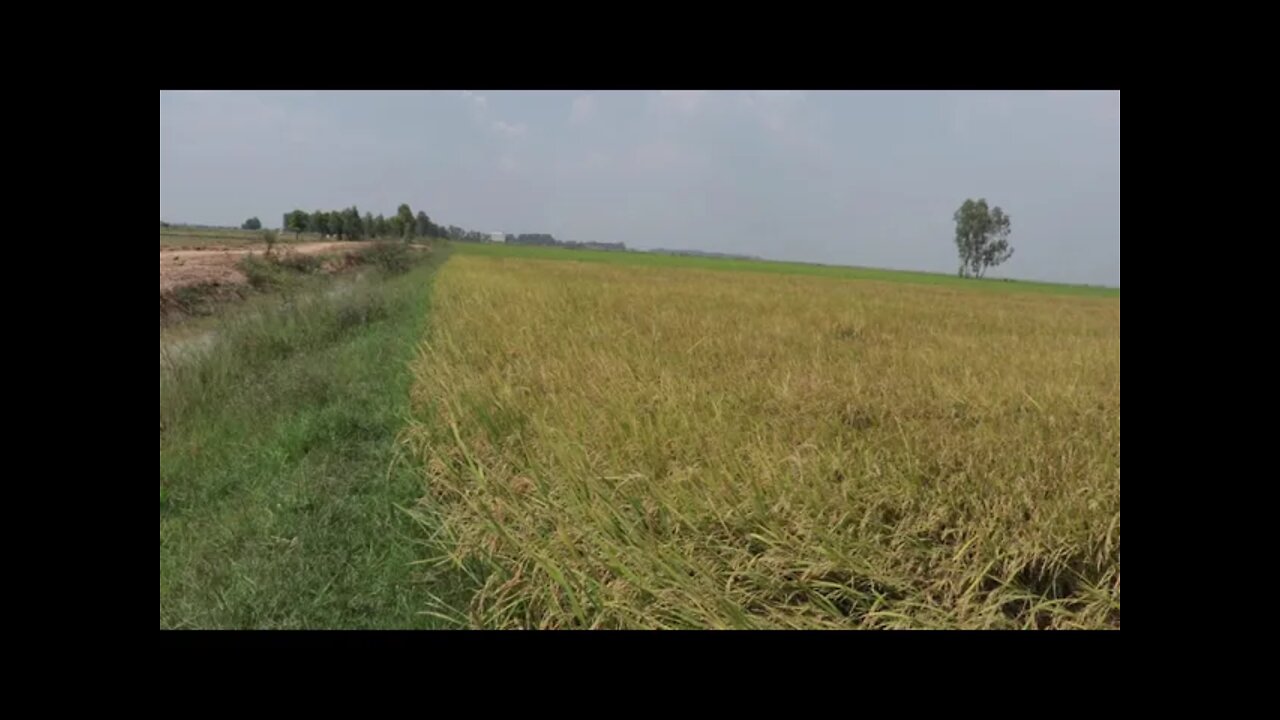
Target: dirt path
218,264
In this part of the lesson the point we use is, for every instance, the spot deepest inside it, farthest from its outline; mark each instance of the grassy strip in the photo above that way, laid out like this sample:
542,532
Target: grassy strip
279,480
785,268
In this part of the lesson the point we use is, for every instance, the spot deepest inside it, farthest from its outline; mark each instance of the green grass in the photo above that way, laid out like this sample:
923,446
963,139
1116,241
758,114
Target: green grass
767,266
280,485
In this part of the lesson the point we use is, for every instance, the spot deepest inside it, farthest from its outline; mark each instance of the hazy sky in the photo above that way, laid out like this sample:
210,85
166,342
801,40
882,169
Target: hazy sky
853,178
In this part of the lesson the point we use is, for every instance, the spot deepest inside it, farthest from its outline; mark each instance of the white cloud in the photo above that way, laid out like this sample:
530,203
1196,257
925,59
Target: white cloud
584,108
480,110
511,130
478,101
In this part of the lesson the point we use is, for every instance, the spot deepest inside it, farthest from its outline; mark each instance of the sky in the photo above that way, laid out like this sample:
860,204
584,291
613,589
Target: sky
868,178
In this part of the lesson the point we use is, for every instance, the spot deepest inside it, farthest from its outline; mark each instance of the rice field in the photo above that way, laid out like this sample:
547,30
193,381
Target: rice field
612,445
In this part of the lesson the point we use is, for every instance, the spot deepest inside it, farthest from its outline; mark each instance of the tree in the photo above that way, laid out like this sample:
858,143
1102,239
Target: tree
424,225
338,224
252,223
383,227
297,221
319,222
405,221
269,237
370,227
982,237
352,223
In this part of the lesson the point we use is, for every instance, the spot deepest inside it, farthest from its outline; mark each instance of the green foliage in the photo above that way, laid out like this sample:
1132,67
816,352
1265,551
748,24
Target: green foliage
299,262
269,238
352,223
252,223
349,224
319,222
394,258
189,301
982,237
274,271
298,221
338,224
262,273
406,222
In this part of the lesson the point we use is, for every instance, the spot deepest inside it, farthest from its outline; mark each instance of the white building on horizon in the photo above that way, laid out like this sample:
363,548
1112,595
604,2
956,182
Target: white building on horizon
497,237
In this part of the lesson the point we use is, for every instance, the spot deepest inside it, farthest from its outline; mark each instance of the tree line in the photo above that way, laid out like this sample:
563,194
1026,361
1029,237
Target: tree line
549,240
349,224
982,231
453,232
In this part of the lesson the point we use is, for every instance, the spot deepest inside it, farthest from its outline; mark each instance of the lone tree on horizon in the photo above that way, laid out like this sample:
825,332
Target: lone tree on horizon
982,237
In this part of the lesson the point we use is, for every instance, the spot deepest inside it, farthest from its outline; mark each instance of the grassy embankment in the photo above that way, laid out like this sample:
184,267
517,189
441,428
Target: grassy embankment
279,482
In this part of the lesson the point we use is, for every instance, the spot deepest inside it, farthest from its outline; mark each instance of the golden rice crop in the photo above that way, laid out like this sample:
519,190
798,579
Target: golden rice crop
626,447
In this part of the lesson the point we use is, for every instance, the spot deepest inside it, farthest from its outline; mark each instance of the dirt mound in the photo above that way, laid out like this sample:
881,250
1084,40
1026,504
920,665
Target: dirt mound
195,281
217,265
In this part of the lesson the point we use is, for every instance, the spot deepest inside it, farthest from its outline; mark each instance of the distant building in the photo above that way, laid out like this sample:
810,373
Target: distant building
497,237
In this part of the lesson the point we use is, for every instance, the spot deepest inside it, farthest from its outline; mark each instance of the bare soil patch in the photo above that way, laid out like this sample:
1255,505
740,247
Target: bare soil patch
214,265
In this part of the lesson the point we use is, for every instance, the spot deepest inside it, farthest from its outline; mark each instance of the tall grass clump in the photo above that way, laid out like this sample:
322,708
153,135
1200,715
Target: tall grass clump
391,257
625,447
254,339
303,263
264,273
298,318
